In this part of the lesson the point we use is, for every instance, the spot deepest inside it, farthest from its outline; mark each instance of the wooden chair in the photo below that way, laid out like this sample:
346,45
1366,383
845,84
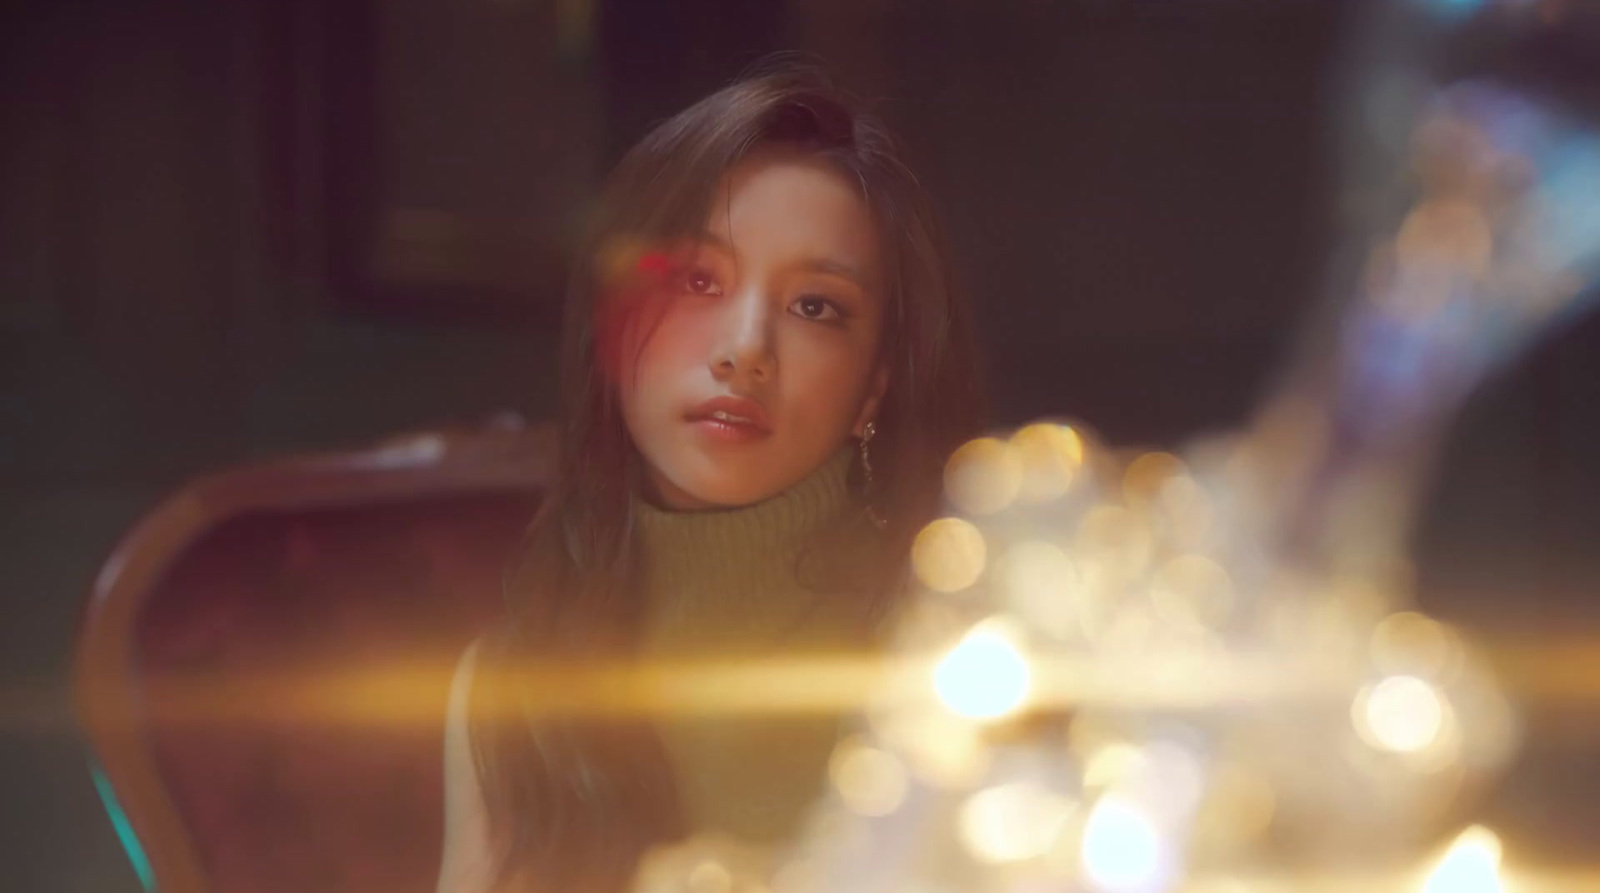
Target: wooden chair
264,660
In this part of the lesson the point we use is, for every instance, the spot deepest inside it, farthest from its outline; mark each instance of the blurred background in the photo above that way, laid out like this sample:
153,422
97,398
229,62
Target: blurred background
243,228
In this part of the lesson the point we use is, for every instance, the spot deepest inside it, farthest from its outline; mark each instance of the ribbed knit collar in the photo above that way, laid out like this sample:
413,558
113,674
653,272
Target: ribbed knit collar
730,577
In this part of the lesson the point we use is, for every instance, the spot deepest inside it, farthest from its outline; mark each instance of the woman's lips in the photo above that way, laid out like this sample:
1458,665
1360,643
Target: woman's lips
729,432
730,419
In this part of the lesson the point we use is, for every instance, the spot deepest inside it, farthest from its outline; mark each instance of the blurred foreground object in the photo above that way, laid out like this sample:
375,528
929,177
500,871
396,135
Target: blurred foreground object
264,661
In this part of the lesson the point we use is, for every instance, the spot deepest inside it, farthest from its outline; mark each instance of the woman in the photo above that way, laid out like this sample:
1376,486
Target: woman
764,367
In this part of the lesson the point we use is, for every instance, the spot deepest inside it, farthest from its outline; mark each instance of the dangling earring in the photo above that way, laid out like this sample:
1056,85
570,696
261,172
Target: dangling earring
873,515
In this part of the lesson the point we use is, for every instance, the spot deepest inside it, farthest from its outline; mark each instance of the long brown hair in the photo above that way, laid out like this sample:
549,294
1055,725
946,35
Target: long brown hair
573,804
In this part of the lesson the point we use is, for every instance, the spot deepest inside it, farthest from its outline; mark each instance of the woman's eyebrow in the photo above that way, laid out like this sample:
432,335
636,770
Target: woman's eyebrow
831,267
709,239
824,265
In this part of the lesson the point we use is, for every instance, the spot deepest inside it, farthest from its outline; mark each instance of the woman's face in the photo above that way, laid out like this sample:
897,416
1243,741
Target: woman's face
763,361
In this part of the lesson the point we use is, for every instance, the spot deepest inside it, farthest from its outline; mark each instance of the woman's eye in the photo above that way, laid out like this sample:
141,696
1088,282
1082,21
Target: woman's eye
817,308
701,282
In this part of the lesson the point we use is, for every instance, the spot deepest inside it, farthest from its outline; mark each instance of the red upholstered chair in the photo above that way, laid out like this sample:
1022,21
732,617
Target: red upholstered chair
264,660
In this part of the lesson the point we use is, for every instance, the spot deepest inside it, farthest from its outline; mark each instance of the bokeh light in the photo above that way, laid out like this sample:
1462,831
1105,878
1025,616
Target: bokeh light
1112,764
983,476
941,749
1051,457
1445,233
710,876
872,782
985,676
1042,584
1401,714
1471,865
1116,539
1237,809
1145,476
1188,511
949,555
1012,822
1171,780
1407,642
1192,590
1122,849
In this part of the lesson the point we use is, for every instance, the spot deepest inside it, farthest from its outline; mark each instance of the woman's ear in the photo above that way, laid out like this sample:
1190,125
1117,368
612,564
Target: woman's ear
869,406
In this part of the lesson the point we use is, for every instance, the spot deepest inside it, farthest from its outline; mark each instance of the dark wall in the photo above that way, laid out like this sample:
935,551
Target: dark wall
242,227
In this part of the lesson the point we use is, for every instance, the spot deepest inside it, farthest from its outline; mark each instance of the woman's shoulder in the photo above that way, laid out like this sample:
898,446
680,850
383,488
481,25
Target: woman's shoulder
466,668
465,865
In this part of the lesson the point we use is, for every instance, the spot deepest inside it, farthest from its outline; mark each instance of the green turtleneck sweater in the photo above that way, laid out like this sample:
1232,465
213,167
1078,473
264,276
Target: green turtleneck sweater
724,585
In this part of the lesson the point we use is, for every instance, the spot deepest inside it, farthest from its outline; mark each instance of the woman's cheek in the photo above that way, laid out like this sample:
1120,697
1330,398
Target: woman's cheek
828,388
665,348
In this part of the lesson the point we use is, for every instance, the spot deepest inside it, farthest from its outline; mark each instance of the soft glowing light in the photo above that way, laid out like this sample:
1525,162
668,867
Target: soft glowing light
1237,808
797,876
1402,714
985,676
1171,780
983,476
1116,539
1122,849
1090,732
710,876
1051,458
1013,822
942,749
1192,590
1187,507
1042,583
1450,233
871,782
1164,776
1471,865
1408,642
949,555
1112,764
1146,475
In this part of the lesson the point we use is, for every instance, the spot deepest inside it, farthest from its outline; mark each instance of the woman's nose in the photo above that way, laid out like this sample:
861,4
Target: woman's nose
744,346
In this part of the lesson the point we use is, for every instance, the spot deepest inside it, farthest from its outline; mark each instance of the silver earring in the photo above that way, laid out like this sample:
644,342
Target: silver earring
873,514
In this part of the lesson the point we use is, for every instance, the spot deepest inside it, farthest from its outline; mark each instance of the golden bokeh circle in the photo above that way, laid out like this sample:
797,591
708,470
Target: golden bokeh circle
949,555
983,476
